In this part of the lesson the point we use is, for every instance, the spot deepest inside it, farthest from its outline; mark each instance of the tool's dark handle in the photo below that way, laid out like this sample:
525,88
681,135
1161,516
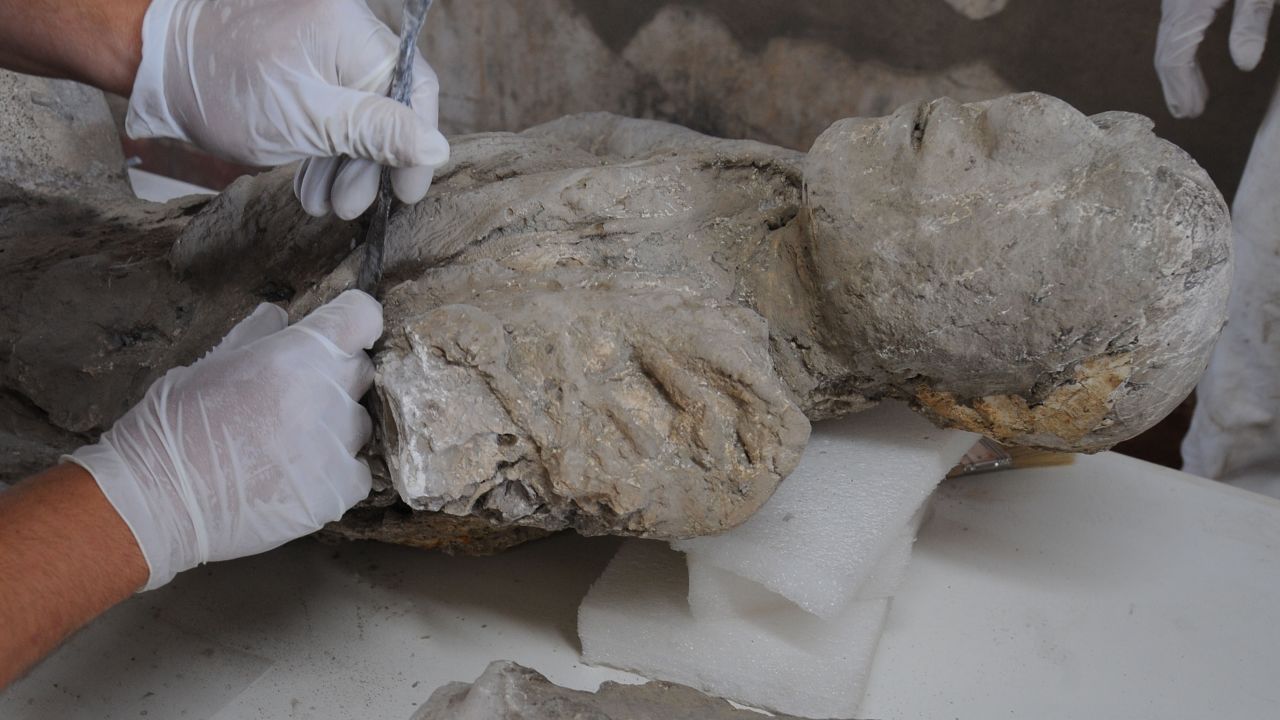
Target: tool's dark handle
371,266
415,14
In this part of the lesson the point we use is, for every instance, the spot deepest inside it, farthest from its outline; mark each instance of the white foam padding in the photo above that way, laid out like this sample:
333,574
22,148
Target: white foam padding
714,591
767,653
891,569
860,480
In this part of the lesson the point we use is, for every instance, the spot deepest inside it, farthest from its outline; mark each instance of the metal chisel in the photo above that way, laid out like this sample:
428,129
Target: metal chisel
415,14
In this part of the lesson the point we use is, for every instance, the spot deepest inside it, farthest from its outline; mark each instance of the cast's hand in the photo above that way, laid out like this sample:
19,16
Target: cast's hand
269,82
1182,27
250,447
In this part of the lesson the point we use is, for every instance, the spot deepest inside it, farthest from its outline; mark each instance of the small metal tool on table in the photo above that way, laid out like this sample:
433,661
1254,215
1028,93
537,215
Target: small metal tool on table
988,456
415,14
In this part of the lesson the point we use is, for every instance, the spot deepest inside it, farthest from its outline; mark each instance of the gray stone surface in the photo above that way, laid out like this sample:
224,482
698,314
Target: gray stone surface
978,9
57,136
507,691
622,326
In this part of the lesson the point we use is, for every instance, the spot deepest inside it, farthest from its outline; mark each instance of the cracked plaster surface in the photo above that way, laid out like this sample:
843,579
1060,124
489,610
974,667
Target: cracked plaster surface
623,326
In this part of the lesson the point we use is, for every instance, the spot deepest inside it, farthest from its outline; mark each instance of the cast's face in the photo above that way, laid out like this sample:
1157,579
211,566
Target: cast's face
999,235
994,205
981,159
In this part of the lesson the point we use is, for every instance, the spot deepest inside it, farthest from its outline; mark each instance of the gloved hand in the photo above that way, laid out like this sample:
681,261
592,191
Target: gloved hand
1182,27
1235,430
268,82
250,447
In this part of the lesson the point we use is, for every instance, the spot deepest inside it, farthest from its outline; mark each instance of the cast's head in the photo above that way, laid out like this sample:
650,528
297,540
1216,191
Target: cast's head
1063,276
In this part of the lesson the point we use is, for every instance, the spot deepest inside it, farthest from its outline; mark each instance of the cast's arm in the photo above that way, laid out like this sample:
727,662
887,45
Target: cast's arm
248,448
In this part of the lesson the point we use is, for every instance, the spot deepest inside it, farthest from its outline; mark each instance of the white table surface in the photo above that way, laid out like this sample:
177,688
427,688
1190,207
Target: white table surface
1110,588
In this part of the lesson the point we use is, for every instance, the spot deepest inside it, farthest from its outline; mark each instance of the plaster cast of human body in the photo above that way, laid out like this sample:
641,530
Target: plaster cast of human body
623,326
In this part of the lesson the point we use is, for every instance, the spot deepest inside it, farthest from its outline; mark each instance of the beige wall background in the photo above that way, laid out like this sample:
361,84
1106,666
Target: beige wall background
781,71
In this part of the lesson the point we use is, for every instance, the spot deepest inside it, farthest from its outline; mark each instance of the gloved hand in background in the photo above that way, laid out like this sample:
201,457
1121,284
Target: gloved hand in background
1235,430
251,446
1182,28
268,82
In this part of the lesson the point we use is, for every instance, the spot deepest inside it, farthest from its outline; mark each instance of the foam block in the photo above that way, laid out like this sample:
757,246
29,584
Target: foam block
857,486
891,569
714,591
767,653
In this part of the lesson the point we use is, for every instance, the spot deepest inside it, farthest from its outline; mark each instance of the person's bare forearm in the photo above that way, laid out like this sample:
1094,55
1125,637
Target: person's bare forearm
65,557
98,42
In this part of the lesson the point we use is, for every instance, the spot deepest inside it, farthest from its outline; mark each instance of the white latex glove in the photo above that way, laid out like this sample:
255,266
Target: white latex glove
1235,430
1182,27
250,447
269,82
